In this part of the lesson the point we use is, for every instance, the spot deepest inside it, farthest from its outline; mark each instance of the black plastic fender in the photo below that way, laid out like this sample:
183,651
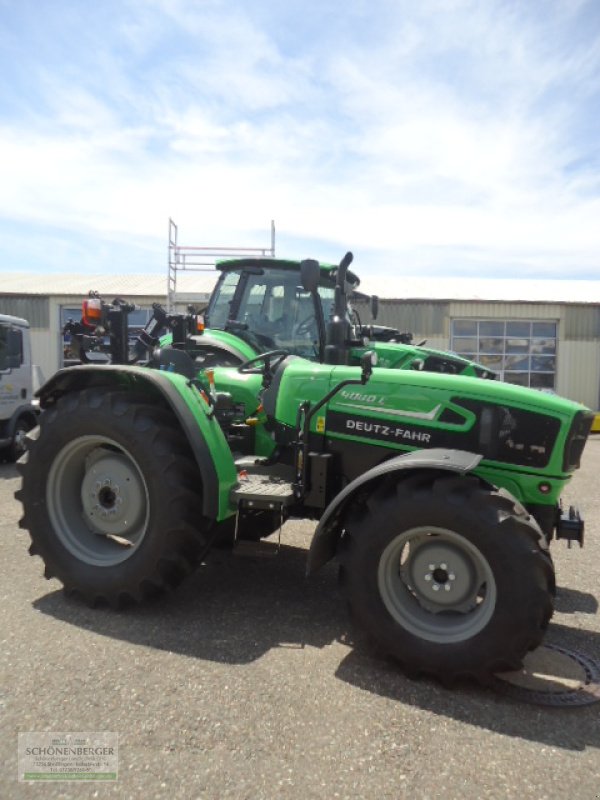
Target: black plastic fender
207,341
88,376
327,534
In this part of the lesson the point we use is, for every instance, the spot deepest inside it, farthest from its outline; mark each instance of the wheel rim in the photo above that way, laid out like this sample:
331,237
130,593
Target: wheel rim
98,501
436,584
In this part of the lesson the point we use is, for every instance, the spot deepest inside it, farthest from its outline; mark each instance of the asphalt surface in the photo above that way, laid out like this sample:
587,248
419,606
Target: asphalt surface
248,683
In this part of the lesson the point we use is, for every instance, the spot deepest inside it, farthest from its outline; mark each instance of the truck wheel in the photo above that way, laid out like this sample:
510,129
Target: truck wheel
448,576
17,447
111,497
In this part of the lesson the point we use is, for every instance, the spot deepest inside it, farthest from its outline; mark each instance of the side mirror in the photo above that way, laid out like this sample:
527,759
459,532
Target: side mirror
310,273
374,306
367,361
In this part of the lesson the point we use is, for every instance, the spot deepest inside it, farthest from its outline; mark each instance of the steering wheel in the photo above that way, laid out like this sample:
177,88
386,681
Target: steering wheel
269,361
305,326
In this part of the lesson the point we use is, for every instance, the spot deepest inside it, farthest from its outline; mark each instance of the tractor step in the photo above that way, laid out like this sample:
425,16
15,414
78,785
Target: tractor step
262,492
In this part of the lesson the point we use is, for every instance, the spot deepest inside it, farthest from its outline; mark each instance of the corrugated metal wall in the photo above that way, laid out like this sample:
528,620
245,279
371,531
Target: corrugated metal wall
34,309
482,310
422,317
581,322
578,373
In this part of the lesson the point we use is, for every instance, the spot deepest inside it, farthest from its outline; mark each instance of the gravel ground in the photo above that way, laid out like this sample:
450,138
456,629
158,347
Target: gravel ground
247,683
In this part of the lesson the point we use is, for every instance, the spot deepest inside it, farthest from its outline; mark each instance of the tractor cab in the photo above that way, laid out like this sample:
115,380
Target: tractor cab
306,308
265,304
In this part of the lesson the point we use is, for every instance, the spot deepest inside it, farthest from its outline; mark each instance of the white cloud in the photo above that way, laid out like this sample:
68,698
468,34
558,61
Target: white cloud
448,140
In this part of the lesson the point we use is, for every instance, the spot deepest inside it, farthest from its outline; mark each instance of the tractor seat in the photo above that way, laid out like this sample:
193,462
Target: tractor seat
173,360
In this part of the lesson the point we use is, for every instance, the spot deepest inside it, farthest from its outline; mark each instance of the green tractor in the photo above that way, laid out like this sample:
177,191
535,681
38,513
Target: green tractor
436,491
305,309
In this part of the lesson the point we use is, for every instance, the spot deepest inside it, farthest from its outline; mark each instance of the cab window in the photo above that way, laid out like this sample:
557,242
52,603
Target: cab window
219,310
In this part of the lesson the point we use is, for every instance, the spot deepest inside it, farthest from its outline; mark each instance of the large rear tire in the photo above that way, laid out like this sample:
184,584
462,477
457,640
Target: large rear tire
448,575
112,497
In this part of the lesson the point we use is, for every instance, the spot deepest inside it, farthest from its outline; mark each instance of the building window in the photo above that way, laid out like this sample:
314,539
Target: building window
520,351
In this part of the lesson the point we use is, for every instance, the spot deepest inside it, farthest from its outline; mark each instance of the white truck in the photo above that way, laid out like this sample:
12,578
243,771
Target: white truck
19,380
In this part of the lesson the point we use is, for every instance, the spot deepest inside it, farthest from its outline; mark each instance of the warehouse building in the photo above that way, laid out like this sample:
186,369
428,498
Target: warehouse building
543,334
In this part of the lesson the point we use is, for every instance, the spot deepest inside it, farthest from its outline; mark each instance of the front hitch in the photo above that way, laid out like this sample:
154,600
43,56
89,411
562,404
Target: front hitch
570,526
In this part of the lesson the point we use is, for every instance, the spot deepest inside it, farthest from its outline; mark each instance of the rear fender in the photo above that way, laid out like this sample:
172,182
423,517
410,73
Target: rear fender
329,529
203,432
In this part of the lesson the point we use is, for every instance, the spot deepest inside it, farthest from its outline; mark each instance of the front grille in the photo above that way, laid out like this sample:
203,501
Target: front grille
510,435
580,430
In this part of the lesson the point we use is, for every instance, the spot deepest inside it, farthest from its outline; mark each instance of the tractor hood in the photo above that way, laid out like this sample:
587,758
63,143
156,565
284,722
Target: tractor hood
405,410
401,355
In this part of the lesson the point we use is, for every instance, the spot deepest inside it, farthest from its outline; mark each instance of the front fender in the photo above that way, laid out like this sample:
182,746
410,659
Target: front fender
203,432
328,532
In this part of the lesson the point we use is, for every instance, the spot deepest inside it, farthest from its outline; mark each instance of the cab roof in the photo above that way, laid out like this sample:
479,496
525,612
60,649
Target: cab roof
328,271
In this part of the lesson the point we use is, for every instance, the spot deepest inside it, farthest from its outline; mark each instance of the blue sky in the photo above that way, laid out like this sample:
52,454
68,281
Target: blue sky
437,138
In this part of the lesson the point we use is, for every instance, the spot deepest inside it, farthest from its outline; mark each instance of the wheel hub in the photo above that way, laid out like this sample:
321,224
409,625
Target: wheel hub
441,573
112,495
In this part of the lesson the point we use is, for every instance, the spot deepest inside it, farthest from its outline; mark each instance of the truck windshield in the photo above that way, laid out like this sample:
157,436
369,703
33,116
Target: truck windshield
11,348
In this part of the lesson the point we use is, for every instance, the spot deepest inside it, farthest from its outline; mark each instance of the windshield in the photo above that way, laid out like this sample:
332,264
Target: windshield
279,313
219,308
11,348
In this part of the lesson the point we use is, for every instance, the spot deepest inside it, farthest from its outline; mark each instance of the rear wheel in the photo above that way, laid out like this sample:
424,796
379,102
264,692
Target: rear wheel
111,497
448,576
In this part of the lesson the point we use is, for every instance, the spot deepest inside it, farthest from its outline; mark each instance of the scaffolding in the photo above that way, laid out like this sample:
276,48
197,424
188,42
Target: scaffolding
202,259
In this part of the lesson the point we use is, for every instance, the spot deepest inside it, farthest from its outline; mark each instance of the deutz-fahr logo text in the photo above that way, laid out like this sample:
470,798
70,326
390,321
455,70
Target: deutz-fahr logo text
386,431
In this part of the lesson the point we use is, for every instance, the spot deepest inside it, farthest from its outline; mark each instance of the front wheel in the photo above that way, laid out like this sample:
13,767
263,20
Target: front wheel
112,497
448,575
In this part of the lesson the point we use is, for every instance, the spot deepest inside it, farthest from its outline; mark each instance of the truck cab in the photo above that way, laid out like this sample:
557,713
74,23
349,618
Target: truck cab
18,384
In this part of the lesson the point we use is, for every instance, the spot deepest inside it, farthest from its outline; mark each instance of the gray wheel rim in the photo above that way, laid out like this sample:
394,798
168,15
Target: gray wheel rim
437,585
98,501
